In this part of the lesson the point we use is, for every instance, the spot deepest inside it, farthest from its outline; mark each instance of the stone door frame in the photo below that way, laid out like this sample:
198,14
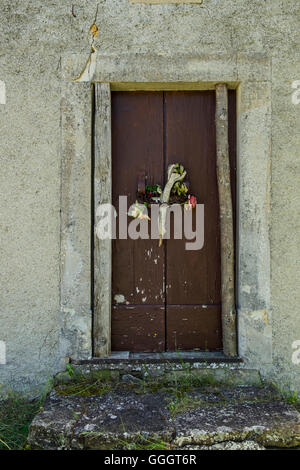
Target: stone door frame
250,75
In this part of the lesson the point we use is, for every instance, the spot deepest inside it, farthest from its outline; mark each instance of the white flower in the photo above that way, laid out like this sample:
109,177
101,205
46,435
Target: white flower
138,211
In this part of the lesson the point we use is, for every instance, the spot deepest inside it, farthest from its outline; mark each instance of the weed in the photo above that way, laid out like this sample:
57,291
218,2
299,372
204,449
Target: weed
290,397
293,399
16,414
142,443
70,370
96,383
182,404
84,388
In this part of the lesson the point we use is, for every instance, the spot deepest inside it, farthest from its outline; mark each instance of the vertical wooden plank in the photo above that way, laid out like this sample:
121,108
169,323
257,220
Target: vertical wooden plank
226,223
102,195
193,277
138,318
232,153
193,310
137,149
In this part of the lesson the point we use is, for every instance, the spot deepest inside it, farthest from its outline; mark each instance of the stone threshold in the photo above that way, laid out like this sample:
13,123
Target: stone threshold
126,357
206,418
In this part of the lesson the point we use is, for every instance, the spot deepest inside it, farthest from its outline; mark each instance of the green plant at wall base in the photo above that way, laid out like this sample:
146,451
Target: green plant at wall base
293,399
16,414
70,370
94,383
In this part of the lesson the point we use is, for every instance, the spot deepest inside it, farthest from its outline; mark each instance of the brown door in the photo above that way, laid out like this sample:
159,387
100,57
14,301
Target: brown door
167,298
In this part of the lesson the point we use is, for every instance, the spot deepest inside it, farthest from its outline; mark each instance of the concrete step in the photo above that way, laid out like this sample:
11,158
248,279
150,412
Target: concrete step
214,367
134,414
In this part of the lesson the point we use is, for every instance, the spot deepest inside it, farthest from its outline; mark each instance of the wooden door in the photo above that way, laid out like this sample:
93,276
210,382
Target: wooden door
167,298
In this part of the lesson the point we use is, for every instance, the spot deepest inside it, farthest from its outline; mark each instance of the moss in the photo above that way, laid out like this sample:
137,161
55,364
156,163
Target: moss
175,382
105,375
182,404
84,388
281,437
94,382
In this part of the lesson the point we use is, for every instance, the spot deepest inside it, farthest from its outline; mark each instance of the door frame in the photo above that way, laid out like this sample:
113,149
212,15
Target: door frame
250,75
102,259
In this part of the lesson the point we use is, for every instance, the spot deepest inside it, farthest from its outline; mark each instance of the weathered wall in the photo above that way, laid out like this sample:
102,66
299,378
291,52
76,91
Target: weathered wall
33,37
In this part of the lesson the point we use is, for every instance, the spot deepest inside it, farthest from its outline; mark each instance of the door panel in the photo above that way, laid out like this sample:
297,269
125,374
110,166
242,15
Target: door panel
195,327
138,328
193,277
137,265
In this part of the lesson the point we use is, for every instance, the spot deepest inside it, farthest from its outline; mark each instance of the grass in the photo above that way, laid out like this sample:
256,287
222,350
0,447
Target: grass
293,399
145,444
177,386
16,414
84,384
183,403
86,388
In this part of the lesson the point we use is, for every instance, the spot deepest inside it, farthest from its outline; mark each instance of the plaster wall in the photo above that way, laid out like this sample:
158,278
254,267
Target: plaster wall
42,47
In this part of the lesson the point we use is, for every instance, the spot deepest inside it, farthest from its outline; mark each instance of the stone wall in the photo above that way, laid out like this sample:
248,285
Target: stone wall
35,38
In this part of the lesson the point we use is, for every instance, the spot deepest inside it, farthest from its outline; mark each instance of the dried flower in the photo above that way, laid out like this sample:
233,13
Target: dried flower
138,211
191,202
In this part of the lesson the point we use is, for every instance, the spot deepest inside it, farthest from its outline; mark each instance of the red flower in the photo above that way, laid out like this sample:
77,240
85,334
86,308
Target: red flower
193,201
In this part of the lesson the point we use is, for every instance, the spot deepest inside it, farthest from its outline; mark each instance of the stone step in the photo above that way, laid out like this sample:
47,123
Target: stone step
214,367
140,416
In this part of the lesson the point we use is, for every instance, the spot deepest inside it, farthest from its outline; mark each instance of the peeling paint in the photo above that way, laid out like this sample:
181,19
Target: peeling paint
260,315
90,67
119,298
246,289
